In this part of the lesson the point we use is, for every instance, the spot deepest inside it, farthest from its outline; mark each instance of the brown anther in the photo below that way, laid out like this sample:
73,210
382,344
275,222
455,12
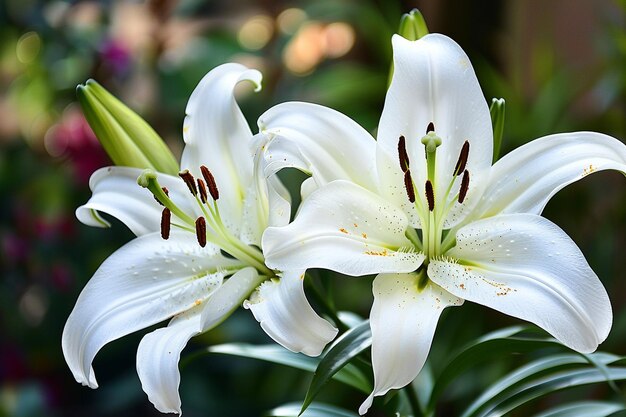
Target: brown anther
201,231
430,128
408,185
430,195
210,182
202,190
404,157
462,161
464,186
189,180
166,218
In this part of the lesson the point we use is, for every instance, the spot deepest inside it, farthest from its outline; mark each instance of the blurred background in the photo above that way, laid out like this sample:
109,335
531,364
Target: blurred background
560,65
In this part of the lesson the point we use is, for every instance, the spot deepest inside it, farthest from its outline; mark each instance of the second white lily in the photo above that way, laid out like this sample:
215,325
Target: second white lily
423,208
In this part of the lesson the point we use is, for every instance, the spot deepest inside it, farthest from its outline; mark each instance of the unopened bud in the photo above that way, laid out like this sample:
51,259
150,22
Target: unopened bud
127,138
413,26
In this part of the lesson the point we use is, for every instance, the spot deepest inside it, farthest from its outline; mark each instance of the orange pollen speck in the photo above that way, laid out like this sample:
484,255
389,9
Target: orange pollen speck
342,230
364,235
383,252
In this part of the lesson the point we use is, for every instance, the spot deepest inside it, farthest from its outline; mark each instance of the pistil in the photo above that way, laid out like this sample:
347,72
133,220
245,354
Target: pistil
430,226
148,179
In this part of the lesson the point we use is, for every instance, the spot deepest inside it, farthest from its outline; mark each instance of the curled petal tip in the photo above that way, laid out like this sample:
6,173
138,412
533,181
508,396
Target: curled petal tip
366,404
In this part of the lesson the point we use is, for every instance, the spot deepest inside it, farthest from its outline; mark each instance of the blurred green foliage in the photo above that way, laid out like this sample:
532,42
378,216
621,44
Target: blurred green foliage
560,67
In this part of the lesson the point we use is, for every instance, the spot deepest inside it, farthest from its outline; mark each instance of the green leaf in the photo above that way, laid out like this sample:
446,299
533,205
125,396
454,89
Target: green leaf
349,375
497,110
542,377
342,351
314,410
587,409
504,341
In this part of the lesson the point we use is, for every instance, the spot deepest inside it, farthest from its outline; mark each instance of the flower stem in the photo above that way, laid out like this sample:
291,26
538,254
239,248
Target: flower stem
413,401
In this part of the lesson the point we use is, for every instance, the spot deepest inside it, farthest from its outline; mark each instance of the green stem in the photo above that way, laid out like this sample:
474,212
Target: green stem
413,401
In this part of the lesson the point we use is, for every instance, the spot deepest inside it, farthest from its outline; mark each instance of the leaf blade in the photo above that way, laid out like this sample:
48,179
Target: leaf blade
344,349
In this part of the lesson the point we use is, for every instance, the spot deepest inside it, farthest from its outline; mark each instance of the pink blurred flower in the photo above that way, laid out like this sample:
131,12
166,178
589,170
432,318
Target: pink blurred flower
73,139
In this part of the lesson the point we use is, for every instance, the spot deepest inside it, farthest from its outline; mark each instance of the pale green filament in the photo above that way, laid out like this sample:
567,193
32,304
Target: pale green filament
217,233
434,243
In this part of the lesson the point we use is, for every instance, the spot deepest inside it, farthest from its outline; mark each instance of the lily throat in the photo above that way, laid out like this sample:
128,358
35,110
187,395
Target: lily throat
432,209
208,227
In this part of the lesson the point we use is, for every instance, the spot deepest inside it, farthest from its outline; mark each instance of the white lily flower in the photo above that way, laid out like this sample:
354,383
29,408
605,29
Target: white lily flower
176,267
431,216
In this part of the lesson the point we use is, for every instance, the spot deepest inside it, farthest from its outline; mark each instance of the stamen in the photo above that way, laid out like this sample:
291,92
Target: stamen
210,182
148,179
201,231
189,180
464,186
460,164
165,191
166,218
202,189
430,128
408,184
404,157
430,195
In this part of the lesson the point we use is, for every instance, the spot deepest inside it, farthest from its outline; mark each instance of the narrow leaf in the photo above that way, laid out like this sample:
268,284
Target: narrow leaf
542,377
533,370
504,341
587,409
349,375
342,351
314,410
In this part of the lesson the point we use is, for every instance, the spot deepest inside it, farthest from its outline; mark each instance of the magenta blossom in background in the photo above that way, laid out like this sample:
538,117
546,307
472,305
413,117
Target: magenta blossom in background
115,56
72,138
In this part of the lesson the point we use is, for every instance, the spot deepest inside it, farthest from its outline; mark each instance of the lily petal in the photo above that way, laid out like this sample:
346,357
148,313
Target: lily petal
524,180
230,296
525,266
116,192
433,81
144,282
159,352
267,202
217,135
345,228
320,141
403,321
158,356
283,311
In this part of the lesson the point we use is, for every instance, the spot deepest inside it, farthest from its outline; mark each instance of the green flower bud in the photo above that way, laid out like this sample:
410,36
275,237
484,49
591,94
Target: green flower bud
413,26
127,138
497,109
